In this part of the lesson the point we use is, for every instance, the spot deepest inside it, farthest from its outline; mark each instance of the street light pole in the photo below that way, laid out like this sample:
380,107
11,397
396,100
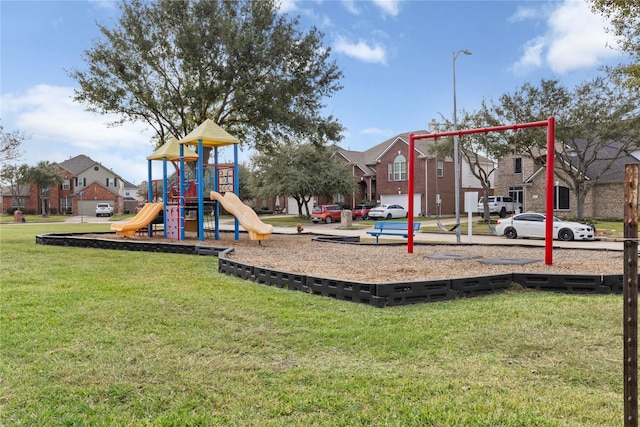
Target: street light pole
456,164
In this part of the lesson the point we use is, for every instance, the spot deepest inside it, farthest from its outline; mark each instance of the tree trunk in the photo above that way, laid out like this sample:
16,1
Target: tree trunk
43,206
580,198
485,204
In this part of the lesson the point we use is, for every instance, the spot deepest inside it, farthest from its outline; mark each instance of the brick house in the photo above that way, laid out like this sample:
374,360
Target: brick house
25,201
381,176
524,178
85,184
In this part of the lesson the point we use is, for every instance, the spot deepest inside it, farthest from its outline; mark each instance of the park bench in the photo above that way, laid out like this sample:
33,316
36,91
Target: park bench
392,229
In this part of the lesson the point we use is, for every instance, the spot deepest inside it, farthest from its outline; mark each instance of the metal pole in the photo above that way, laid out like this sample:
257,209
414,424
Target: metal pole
411,168
548,227
456,158
630,292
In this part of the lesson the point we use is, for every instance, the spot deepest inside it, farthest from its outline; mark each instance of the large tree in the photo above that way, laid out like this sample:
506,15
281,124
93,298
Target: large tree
173,64
480,150
44,175
10,144
624,16
15,178
301,171
597,123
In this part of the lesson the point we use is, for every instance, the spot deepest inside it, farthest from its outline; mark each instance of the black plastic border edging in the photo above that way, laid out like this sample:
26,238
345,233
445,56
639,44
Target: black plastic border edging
375,294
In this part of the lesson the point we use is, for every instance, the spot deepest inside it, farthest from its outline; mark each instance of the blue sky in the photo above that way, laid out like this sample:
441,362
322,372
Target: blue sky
396,56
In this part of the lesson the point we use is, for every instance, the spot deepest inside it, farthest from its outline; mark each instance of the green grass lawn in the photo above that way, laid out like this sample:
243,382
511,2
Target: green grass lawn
100,337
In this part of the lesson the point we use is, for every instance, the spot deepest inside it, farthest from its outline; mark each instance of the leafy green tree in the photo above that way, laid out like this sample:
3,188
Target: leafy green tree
624,16
480,150
44,175
10,143
301,171
15,178
173,64
596,124
244,183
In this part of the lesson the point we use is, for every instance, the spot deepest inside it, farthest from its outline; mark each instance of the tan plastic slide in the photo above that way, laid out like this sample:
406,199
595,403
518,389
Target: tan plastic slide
147,214
247,217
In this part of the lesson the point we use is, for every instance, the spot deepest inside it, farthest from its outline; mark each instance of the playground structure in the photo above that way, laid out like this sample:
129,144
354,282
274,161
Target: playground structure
257,229
144,218
183,202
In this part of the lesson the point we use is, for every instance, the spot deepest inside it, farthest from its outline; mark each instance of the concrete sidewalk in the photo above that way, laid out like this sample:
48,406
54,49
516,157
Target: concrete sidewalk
335,229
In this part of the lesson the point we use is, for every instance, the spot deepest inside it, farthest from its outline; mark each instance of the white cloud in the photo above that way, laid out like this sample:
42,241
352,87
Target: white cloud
575,39
523,14
388,7
361,50
532,57
351,6
60,129
287,6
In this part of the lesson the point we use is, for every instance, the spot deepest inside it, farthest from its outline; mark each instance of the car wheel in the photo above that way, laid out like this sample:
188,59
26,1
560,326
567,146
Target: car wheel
503,213
565,235
389,216
328,220
365,217
510,233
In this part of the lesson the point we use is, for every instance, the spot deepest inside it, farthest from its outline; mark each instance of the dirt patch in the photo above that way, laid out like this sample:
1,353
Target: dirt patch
390,263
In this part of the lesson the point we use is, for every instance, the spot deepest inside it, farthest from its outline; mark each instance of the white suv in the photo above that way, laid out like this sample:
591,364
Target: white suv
104,209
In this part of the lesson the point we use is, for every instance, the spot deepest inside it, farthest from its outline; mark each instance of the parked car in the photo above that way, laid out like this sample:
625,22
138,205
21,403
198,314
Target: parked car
387,212
532,224
139,207
361,211
500,205
104,209
326,213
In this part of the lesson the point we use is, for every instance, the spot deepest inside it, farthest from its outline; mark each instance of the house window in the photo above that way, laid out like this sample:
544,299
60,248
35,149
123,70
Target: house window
517,194
400,168
390,172
17,202
440,168
517,165
561,198
111,182
66,204
81,182
66,184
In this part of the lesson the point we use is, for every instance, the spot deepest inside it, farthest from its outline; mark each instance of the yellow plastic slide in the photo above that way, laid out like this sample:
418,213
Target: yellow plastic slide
247,217
148,213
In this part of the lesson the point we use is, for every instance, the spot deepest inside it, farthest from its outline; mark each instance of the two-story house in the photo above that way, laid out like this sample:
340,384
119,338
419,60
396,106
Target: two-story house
88,183
381,173
85,184
523,177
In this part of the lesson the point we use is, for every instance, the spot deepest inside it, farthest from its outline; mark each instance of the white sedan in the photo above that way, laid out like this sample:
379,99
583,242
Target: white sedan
533,225
387,212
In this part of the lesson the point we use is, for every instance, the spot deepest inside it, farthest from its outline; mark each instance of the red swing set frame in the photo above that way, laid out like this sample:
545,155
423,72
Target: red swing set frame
550,124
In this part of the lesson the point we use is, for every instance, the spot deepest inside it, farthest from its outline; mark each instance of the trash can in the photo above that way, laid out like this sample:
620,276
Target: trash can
18,216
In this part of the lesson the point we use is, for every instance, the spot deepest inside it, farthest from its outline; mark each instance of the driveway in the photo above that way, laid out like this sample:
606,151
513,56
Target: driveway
88,219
